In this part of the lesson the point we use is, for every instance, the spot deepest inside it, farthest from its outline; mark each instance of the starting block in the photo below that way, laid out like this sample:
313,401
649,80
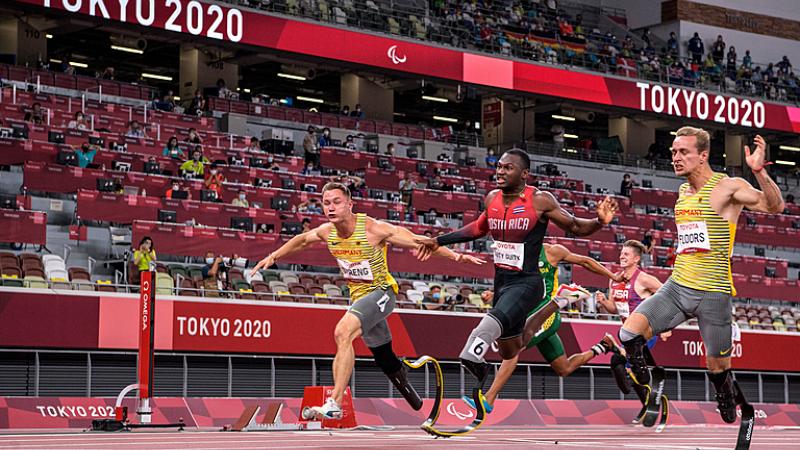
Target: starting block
270,422
316,396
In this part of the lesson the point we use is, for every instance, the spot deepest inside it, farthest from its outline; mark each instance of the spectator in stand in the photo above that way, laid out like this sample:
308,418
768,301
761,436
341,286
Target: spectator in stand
194,167
672,44
435,300
357,112
306,223
696,49
491,158
197,105
144,254
325,139
272,165
213,180
255,145
345,110
241,200
649,243
135,130
626,187
222,89
176,187
213,276
310,206
406,188
730,69
790,199
79,122
436,183
35,115
718,50
108,73
647,37
310,146
747,60
389,149
167,103
171,150
310,169
86,155
193,137
349,143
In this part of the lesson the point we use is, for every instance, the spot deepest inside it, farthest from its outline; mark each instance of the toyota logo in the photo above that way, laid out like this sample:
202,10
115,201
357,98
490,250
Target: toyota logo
451,408
392,54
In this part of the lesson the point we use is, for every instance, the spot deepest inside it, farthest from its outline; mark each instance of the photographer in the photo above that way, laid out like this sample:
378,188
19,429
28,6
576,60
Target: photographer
144,255
215,273
436,300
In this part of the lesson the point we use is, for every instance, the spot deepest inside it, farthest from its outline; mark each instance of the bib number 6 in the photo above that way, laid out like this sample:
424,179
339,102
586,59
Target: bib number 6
478,348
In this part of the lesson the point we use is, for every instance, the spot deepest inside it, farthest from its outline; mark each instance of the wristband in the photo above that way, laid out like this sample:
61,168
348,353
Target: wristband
767,163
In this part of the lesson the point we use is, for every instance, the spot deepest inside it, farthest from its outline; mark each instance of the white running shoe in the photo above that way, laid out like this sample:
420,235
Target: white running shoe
568,294
330,410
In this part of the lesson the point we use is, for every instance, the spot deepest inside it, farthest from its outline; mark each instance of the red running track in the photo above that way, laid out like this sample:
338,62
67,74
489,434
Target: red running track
552,437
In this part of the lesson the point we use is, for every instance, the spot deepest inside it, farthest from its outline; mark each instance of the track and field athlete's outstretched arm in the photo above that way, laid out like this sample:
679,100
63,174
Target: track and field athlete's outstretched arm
548,207
294,245
402,237
469,232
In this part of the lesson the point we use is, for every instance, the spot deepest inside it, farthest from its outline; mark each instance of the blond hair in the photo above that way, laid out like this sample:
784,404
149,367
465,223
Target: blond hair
703,138
637,246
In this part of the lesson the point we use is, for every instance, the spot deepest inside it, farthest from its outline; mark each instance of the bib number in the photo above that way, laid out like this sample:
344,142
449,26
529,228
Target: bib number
509,254
693,238
382,302
355,271
478,348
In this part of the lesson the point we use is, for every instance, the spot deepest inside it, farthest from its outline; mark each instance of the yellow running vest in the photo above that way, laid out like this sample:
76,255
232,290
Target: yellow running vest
705,242
362,265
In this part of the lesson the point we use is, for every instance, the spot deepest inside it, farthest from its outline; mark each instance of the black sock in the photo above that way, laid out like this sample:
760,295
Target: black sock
723,381
386,359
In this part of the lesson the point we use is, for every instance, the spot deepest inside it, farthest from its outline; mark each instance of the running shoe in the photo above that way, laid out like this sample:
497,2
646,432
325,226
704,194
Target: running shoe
471,403
612,345
330,410
568,294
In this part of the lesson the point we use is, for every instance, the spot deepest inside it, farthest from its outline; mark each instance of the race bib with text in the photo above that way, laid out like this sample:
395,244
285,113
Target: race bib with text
355,271
511,254
693,237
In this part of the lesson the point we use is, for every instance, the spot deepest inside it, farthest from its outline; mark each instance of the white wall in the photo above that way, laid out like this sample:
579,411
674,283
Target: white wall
640,13
787,9
764,49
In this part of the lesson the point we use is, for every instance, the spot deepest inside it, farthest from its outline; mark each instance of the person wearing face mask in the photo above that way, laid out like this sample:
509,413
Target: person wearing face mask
349,143
145,254
241,200
435,300
176,187
272,165
78,123
194,167
213,277
172,150
214,180
325,139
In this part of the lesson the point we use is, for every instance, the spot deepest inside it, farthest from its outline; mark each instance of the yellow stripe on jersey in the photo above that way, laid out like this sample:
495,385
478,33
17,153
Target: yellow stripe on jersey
710,270
356,249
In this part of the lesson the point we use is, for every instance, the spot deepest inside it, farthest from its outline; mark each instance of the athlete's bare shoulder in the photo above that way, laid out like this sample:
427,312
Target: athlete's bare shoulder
323,231
544,200
491,195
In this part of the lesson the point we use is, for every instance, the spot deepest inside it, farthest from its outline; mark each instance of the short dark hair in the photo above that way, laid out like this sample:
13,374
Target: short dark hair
526,160
637,246
332,186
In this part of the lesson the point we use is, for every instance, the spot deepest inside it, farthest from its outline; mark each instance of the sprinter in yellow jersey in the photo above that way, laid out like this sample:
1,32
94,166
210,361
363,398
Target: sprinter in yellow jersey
701,286
359,245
